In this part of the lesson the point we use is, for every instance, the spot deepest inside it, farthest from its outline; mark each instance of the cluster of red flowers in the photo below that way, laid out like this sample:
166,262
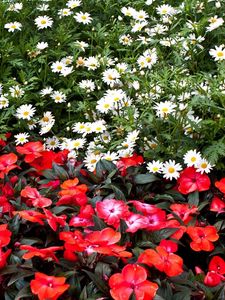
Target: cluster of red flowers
67,207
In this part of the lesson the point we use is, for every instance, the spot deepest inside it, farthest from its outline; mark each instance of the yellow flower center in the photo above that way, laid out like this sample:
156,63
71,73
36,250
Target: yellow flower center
93,161
26,113
155,169
204,165
220,54
43,22
193,159
171,170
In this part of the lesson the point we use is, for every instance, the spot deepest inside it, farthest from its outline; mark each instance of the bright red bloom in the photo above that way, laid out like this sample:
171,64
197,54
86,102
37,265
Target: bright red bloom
3,257
183,211
133,279
51,184
53,220
84,218
136,222
35,198
5,235
112,211
202,237
31,150
45,253
216,272
173,223
48,287
72,193
5,205
74,241
44,161
126,162
31,215
104,242
221,185
162,260
217,205
169,246
190,181
7,163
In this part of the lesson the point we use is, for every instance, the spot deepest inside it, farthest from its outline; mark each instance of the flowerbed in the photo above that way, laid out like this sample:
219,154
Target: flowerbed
117,233
112,150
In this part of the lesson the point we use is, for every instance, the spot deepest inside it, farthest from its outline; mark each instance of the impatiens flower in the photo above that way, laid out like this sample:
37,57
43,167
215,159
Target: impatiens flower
7,163
31,215
132,280
202,237
53,220
221,185
84,218
5,235
216,272
3,257
164,261
217,205
190,181
46,253
183,211
35,198
135,222
126,162
31,150
48,287
112,211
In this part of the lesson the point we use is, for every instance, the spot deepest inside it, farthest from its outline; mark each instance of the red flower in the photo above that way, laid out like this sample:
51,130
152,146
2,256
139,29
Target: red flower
7,163
190,181
72,193
169,246
217,205
36,199
104,242
48,287
126,162
183,211
43,161
133,279
221,185
31,215
84,218
3,257
45,253
202,237
53,220
162,260
5,235
216,270
31,150
5,205
112,211
136,222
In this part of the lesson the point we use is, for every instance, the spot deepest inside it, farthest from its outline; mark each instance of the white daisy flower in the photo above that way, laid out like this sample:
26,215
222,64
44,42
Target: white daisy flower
47,119
91,63
76,144
133,136
43,22
21,138
163,109
25,112
104,105
46,91
16,91
110,156
138,26
42,45
111,76
155,166
64,12
171,170
98,127
165,9
79,127
45,129
81,45
128,11
218,53
15,7
140,15
204,166
88,85
4,102
58,97
91,160
13,26
125,40
83,18
73,3
58,66
215,22
52,143
192,158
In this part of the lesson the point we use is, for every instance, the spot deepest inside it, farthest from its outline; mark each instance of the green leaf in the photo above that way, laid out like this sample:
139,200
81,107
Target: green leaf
104,166
145,178
99,224
101,285
22,274
193,198
60,172
24,293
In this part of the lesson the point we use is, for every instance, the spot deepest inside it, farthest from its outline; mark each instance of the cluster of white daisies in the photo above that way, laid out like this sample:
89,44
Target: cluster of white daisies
170,169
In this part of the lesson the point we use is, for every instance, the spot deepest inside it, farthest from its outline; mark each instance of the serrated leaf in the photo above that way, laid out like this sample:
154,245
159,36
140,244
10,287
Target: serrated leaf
145,178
